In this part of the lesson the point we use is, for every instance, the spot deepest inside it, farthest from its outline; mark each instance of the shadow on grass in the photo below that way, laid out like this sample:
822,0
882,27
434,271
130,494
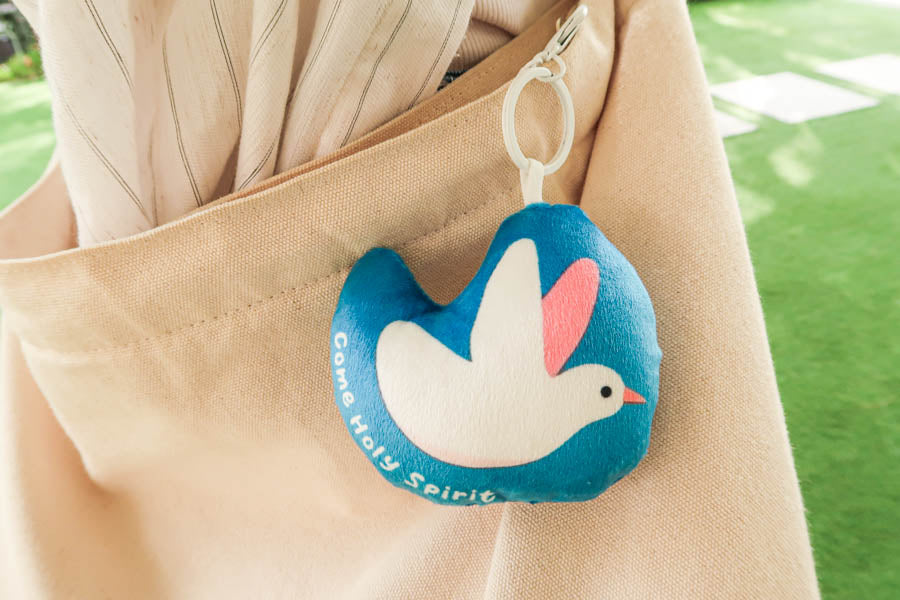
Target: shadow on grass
738,39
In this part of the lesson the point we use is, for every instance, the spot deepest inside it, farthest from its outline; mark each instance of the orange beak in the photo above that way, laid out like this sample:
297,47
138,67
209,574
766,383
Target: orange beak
632,397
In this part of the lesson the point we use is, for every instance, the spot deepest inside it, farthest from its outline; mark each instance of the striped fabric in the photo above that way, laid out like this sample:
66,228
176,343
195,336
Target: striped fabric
161,107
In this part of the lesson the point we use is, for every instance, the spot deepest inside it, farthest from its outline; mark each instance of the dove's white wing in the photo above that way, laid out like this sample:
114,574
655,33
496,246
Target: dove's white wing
508,330
478,412
460,412
421,382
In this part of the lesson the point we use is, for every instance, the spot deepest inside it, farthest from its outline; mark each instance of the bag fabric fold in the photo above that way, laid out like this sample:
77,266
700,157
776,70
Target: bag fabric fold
167,424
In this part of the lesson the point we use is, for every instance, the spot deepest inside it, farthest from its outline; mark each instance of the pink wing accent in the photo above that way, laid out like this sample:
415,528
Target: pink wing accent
567,309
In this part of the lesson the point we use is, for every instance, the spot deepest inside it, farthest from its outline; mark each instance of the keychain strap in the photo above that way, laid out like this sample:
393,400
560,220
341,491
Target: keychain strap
533,171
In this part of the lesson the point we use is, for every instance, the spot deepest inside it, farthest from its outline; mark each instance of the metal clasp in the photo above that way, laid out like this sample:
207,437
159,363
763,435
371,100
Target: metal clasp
565,32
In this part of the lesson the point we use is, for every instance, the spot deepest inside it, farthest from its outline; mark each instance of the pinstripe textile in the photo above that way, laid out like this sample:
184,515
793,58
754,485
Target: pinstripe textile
161,107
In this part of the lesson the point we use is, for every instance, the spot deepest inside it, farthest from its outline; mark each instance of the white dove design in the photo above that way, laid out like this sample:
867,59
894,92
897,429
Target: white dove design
506,406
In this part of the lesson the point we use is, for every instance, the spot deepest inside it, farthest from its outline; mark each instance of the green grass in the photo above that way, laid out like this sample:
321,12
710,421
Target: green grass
26,136
821,201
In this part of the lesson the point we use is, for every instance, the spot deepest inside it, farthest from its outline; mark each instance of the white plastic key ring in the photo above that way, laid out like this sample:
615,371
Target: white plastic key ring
509,116
532,170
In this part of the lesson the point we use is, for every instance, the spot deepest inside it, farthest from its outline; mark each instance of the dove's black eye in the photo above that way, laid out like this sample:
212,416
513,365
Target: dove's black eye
606,391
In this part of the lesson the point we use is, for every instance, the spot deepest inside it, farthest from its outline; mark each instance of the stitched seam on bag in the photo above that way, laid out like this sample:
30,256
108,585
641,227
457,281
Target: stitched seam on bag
35,263
255,303
289,177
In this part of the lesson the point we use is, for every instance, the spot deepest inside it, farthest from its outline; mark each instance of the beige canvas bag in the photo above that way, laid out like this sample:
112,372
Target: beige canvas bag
167,426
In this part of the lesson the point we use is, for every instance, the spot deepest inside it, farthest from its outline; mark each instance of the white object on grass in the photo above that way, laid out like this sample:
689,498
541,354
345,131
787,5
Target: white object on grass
791,98
880,72
889,3
729,125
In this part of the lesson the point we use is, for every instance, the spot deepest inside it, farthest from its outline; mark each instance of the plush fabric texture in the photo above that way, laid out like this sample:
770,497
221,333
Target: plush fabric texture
457,404
168,426
567,310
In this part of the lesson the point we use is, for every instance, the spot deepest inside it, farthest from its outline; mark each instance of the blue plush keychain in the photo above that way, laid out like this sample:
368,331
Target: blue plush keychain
537,383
